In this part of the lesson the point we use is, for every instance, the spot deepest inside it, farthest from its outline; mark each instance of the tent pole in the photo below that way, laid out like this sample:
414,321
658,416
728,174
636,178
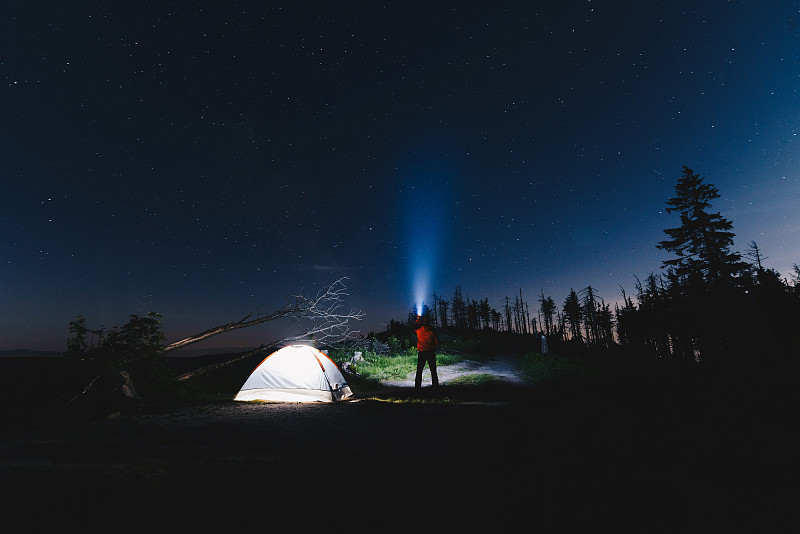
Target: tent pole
328,380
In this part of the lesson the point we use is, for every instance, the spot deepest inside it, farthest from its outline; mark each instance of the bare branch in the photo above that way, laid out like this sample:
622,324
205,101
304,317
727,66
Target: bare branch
327,323
208,368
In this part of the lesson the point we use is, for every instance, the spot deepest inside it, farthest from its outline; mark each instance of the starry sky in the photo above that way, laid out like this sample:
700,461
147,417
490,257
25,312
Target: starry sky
208,159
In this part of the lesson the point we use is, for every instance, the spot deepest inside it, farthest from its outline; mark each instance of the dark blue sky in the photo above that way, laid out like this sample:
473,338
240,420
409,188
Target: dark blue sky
205,159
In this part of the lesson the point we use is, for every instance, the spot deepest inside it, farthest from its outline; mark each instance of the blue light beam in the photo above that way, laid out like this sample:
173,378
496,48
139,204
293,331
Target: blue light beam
426,209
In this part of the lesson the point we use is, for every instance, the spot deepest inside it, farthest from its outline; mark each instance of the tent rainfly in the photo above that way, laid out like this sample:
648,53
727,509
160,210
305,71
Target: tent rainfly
297,373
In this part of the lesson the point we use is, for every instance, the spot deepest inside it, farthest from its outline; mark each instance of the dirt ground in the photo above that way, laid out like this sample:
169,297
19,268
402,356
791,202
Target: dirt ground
636,457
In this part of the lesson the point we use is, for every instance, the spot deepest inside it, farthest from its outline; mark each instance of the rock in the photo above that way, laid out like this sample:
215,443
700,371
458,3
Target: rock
105,394
127,388
347,368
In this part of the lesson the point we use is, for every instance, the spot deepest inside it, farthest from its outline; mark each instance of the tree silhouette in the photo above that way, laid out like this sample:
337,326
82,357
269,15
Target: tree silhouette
443,307
756,255
702,242
485,313
458,309
548,308
572,314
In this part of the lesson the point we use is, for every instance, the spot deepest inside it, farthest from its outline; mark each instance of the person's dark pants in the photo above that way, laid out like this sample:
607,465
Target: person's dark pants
429,357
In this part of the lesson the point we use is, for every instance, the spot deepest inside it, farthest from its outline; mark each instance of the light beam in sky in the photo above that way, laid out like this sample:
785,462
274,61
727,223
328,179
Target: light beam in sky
426,210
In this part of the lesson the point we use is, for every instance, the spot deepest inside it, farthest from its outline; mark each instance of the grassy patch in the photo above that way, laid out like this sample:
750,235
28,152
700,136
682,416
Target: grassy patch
447,359
477,379
379,367
414,400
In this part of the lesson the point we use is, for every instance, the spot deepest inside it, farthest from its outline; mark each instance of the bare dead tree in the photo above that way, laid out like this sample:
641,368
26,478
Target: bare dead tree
756,254
325,323
321,314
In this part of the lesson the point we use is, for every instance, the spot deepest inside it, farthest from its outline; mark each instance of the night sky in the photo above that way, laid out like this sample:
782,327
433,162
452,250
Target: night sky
206,159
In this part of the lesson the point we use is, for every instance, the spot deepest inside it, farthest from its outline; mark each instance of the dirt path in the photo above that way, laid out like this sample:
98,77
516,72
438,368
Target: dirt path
503,366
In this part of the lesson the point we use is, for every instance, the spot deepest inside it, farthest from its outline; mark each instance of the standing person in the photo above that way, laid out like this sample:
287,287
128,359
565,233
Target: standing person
427,341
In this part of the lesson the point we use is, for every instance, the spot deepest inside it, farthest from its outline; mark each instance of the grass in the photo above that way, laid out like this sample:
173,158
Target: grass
415,399
379,367
477,379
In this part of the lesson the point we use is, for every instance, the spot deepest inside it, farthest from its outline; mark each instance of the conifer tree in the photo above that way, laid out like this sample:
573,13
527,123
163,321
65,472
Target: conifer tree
459,309
572,313
702,242
548,309
484,312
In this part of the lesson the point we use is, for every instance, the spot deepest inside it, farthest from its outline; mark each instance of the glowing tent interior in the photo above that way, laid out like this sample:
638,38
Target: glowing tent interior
297,373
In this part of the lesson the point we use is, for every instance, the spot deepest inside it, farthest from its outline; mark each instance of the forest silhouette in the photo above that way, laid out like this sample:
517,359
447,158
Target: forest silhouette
707,305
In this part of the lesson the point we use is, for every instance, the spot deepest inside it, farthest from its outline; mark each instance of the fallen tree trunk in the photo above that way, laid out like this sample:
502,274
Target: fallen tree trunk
208,368
327,325
322,311
286,311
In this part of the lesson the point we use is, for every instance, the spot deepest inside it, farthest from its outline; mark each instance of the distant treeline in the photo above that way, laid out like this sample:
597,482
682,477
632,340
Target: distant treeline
707,304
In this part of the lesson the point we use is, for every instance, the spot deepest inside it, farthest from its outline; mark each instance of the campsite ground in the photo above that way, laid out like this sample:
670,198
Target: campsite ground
636,453
502,366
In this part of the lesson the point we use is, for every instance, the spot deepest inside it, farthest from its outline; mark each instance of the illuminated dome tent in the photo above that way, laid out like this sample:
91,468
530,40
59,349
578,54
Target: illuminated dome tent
297,373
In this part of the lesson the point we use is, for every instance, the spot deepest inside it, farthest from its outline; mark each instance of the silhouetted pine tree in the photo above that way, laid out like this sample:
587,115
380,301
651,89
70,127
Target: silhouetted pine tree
548,308
485,313
497,319
459,309
435,310
472,315
706,305
702,242
626,316
443,318
561,326
572,315
507,315
590,321
605,324
756,255
774,304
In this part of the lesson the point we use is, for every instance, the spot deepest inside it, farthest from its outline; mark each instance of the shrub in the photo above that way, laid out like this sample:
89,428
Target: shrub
134,347
395,347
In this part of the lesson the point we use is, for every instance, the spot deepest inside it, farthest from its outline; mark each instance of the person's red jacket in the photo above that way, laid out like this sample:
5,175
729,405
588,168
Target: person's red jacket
426,339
